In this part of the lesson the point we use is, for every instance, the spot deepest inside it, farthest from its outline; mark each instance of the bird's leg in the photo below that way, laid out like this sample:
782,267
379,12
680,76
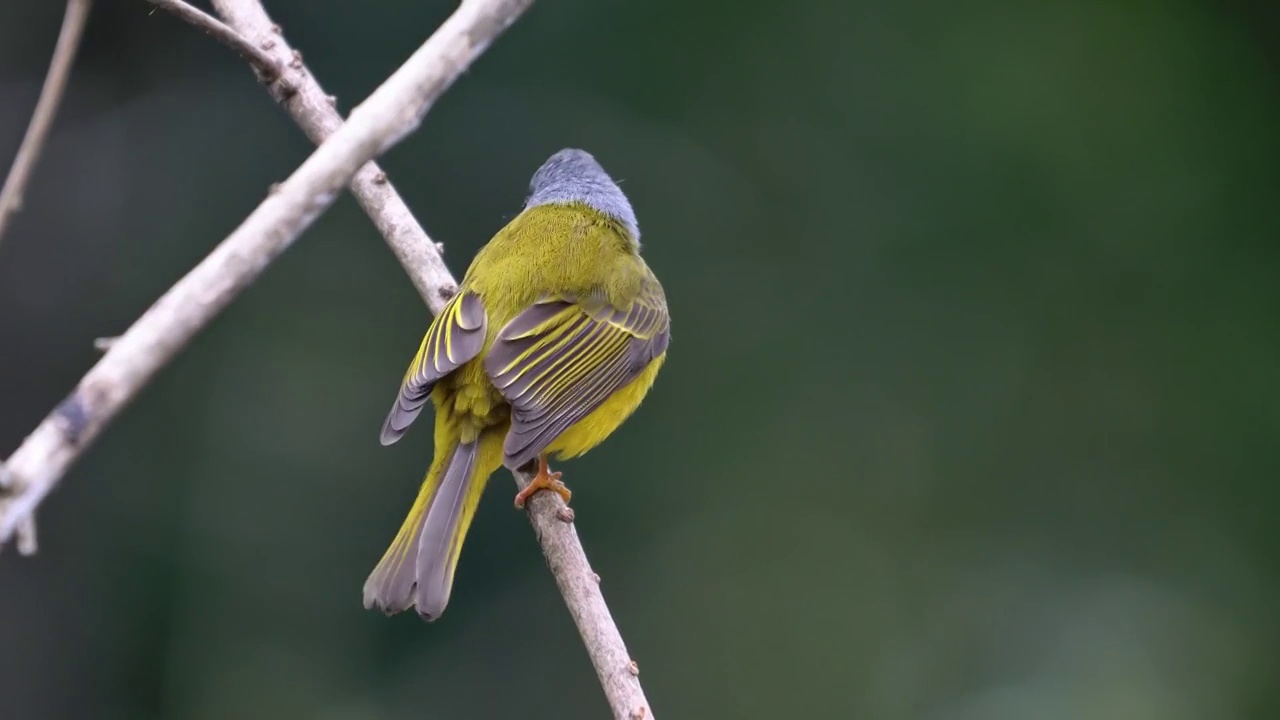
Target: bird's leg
544,480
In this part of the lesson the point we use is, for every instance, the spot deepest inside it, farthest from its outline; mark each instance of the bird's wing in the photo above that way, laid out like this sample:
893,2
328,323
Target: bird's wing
562,357
456,335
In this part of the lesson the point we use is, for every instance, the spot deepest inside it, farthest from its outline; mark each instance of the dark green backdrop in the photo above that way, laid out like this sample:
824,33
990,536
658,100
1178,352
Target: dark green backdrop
970,412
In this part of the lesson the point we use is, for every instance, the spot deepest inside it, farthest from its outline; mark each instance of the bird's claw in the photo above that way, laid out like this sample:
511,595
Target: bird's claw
544,480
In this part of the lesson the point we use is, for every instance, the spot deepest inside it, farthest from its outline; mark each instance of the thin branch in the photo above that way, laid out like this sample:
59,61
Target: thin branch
314,112
393,111
55,83
267,68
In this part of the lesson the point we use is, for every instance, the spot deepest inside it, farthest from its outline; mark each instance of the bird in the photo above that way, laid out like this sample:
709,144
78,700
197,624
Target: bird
554,337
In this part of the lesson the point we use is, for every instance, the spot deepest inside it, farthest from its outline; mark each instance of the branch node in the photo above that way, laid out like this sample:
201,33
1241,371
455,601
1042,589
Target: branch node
267,44
565,514
332,100
634,668
380,179
72,418
440,248
275,28
596,577
447,291
640,713
288,88
104,344
295,60
273,188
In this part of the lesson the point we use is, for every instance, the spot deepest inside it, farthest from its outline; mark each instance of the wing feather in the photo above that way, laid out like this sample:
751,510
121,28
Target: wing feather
562,357
456,336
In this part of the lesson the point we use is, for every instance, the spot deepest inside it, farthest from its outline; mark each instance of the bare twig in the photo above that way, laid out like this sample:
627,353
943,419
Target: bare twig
55,83
394,110
313,110
264,65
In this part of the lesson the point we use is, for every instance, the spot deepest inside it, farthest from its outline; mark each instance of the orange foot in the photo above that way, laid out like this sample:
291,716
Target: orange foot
544,480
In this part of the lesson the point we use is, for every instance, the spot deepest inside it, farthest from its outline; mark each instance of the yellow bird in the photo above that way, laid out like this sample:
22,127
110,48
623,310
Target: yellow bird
555,336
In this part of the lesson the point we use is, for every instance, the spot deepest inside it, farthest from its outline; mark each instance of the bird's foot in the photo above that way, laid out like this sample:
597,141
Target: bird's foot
544,480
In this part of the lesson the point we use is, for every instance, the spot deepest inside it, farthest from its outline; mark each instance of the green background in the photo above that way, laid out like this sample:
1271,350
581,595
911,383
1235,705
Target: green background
970,411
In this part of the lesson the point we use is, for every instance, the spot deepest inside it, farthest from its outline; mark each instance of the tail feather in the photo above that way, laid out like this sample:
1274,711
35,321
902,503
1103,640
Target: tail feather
417,569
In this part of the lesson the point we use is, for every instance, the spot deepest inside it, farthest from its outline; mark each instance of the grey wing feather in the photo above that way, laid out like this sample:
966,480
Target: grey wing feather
456,336
560,359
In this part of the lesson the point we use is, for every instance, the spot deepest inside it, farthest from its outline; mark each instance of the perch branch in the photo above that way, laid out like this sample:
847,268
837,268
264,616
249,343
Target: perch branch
55,83
313,110
393,111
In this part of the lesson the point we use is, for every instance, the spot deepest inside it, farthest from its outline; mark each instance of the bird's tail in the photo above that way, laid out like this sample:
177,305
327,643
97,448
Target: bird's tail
417,570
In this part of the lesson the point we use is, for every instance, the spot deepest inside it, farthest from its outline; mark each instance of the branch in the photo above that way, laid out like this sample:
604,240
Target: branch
393,111
314,112
55,83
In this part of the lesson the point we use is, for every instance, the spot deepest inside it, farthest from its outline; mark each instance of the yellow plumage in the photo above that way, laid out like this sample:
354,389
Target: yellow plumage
556,334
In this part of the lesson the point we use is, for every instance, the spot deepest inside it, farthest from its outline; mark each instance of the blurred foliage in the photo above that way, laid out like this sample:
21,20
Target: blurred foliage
970,412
